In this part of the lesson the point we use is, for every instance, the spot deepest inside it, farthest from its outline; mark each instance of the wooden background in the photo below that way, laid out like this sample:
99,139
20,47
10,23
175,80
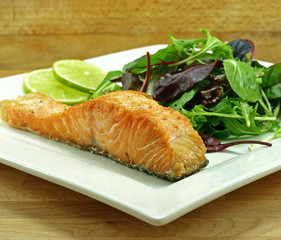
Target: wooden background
35,33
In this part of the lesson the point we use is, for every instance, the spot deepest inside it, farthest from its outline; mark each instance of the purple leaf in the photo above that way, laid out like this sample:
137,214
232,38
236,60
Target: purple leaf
171,87
131,81
240,47
214,145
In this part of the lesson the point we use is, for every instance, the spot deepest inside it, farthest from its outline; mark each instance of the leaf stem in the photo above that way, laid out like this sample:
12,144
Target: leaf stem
188,59
268,109
233,116
147,73
267,139
265,107
221,147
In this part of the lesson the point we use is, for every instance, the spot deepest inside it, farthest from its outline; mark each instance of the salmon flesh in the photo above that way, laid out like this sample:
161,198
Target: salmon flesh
127,126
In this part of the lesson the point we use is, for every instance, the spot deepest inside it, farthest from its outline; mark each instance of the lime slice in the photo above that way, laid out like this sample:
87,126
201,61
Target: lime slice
44,81
78,74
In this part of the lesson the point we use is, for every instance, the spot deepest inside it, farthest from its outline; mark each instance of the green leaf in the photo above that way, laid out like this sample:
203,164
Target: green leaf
183,45
106,83
242,79
161,58
273,91
272,76
209,125
196,120
222,51
183,100
246,110
223,106
271,82
238,127
277,132
129,65
211,48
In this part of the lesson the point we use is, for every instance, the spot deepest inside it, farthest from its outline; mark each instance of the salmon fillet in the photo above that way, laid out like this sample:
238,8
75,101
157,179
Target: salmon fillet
127,126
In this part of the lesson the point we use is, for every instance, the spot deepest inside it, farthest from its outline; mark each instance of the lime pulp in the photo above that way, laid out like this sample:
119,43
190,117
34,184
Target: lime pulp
78,74
44,81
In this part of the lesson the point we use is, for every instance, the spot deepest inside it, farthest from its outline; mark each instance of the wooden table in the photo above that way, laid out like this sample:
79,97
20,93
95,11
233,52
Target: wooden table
32,208
33,34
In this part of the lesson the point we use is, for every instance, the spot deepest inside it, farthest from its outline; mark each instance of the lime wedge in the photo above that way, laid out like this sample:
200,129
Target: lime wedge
44,81
78,74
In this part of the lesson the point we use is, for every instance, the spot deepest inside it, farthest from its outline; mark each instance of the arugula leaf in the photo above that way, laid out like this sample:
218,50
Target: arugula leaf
184,45
206,124
197,120
218,48
229,116
246,125
242,79
238,127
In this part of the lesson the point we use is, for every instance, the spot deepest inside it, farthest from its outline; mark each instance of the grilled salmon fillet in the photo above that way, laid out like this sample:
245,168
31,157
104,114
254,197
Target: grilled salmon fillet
127,126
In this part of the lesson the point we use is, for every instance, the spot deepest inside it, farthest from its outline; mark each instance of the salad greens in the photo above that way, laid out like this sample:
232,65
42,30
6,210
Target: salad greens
221,89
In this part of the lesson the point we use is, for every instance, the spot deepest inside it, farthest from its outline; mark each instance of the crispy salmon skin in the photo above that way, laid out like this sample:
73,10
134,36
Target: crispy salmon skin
128,126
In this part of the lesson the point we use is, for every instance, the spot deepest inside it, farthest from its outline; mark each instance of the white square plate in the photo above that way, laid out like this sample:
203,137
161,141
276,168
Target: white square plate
148,198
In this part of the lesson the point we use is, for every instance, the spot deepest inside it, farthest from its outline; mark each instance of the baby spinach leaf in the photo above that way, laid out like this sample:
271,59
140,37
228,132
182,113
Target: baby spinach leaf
272,76
242,79
165,56
273,92
131,64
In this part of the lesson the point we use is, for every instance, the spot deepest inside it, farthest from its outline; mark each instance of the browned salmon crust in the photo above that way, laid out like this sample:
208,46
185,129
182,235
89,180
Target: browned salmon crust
128,126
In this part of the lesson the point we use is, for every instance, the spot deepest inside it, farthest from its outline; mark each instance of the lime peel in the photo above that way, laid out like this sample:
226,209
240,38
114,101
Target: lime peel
78,74
44,81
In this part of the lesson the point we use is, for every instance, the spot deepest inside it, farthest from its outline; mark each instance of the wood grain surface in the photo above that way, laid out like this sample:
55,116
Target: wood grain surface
32,208
35,33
